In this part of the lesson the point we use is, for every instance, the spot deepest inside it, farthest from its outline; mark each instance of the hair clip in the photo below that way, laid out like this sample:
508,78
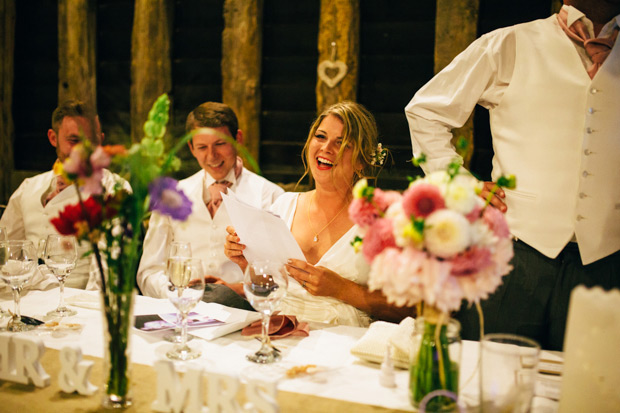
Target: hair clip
378,156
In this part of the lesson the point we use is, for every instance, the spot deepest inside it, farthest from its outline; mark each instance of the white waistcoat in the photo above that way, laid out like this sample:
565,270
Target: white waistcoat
558,131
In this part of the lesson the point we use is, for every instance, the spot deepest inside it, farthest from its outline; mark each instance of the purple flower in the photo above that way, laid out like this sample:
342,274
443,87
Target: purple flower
167,199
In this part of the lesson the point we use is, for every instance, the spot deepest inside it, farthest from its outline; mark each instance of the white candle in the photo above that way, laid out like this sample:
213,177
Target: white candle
591,376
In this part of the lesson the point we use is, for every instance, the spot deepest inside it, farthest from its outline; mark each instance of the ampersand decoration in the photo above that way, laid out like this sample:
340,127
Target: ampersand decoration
331,72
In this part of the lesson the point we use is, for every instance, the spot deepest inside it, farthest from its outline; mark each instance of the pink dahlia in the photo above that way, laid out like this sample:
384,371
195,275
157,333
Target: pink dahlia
383,199
378,238
422,199
496,222
471,261
362,212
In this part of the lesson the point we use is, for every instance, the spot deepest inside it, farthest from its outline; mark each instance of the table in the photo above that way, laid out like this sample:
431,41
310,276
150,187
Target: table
347,384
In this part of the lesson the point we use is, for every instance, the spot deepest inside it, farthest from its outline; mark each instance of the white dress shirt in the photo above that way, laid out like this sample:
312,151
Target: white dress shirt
27,218
206,235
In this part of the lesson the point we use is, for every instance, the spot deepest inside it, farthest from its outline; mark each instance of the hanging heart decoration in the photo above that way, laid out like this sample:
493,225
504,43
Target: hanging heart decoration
338,67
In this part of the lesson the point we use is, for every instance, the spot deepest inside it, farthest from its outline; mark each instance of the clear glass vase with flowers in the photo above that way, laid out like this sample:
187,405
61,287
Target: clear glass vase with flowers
111,221
435,245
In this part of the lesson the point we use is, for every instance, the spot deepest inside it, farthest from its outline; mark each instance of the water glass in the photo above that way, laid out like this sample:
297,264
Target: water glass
265,284
18,260
60,257
509,367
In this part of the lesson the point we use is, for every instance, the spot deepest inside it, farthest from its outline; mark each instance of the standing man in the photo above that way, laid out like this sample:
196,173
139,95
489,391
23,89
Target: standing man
222,171
40,198
551,87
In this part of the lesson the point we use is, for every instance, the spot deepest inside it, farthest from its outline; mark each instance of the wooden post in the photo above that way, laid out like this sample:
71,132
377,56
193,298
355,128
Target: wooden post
151,73
456,26
76,51
241,66
7,47
339,24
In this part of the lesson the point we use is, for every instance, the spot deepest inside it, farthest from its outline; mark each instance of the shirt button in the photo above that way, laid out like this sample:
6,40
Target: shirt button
587,152
580,217
582,195
590,110
585,174
594,90
589,130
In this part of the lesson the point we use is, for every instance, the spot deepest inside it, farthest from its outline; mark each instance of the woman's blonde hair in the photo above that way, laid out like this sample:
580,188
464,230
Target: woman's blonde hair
359,130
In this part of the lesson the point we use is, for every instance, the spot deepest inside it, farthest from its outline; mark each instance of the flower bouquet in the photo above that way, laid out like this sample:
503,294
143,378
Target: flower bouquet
111,220
434,245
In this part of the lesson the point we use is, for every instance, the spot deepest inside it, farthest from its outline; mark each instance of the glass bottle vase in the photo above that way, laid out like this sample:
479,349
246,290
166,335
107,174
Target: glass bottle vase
435,362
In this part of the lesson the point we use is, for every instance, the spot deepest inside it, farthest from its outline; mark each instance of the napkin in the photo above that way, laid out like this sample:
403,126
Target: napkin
85,300
373,344
280,326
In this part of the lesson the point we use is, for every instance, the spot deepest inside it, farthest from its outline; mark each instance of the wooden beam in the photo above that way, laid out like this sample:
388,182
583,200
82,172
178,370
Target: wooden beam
7,48
339,28
456,26
241,66
151,73
76,51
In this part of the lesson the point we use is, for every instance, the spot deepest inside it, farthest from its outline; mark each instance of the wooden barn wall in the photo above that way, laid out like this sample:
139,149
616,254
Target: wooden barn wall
396,58
290,58
35,88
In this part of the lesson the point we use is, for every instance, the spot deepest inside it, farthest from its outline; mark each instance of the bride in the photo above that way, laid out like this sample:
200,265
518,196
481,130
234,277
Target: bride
330,286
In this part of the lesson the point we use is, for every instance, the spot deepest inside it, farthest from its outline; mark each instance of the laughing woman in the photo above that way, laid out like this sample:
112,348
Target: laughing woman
330,286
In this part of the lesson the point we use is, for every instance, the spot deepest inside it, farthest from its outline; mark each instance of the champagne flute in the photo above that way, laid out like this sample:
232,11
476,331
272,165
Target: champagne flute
17,263
265,284
185,289
60,257
181,250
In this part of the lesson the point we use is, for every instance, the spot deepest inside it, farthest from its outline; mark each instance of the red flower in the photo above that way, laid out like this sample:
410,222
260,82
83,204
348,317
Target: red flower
72,220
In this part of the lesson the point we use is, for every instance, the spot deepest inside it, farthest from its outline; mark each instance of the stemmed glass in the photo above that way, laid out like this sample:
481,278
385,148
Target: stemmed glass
17,262
185,289
60,257
177,250
265,284
3,312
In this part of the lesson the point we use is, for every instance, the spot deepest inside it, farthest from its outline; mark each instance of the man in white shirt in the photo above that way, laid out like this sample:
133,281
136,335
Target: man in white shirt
222,171
551,87
40,198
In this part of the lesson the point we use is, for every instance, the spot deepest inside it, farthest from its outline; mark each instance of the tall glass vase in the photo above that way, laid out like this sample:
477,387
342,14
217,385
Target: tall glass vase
435,362
118,319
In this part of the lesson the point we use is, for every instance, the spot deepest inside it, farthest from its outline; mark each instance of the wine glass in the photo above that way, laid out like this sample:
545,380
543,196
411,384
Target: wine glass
17,262
60,257
185,289
3,237
265,284
181,250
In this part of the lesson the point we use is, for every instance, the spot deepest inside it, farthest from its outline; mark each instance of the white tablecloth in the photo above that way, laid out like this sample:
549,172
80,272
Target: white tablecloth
345,377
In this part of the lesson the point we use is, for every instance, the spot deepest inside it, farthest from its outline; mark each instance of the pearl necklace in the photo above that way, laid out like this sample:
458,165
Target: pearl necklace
316,234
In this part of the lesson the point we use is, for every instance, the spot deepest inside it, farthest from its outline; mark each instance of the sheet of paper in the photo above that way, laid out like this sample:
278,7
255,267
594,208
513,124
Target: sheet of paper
265,235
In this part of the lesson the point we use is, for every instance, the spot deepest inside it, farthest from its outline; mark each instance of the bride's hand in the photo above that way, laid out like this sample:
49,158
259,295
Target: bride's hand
316,280
233,249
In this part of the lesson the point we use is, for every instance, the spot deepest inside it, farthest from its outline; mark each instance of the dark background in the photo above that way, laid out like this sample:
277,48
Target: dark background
396,59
